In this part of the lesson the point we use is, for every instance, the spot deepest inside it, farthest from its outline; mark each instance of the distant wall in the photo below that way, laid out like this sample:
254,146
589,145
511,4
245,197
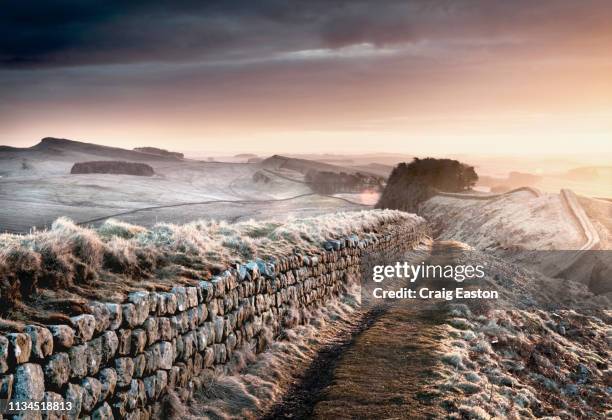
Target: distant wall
112,167
122,358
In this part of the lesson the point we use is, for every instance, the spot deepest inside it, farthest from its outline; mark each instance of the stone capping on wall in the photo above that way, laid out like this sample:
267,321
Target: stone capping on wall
119,360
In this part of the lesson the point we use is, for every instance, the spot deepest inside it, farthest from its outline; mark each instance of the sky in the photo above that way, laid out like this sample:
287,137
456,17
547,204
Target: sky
271,76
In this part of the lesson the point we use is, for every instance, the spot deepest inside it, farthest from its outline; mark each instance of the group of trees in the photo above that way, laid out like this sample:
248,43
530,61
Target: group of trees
327,182
412,183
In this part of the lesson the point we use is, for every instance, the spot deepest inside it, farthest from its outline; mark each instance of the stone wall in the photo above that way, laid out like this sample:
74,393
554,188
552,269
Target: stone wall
119,360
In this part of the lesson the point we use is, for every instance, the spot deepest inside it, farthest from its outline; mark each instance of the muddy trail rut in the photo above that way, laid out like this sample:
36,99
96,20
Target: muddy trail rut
381,369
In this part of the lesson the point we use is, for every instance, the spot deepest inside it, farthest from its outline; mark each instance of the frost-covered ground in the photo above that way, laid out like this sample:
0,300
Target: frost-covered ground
527,364
515,220
36,188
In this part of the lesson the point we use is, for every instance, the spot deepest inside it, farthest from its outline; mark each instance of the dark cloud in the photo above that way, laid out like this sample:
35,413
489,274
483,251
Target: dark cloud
79,32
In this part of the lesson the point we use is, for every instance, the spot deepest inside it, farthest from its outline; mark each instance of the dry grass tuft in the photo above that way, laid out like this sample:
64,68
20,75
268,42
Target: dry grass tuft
107,262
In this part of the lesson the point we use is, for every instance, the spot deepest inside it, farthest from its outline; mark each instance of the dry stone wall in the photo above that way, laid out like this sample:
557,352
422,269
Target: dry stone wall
119,360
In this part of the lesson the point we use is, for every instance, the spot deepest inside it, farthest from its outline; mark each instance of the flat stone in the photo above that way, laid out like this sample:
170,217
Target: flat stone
20,348
42,341
63,336
57,370
84,326
29,383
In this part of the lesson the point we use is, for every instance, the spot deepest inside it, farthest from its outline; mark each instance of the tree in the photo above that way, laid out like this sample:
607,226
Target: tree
412,183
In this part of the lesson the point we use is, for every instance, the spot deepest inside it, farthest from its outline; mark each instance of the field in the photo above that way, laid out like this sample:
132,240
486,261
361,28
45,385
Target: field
36,188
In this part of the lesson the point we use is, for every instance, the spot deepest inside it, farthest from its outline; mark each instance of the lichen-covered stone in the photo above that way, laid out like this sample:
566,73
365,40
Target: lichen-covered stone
6,386
170,303
108,343
115,314
152,329
202,313
94,356
57,370
50,398
124,367
84,326
192,296
74,395
165,328
104,412
78,361
140,300
20,348
125,341
140,364
42,341
220,353
108,380
201,338
159,356
63,336
101,313
219,326
139,341
4,354
29,383
161,382
92,388
206,291
150,386
181,297
209,357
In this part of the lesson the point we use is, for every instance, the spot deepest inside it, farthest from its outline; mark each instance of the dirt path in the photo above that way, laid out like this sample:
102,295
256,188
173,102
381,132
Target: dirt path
381,370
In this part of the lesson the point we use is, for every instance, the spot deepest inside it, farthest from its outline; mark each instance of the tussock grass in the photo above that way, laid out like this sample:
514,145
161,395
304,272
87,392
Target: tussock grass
74,262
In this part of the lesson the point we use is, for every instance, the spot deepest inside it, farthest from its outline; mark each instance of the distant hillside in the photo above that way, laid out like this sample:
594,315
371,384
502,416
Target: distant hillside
112,167
50,143
304,165
590,173
159,152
